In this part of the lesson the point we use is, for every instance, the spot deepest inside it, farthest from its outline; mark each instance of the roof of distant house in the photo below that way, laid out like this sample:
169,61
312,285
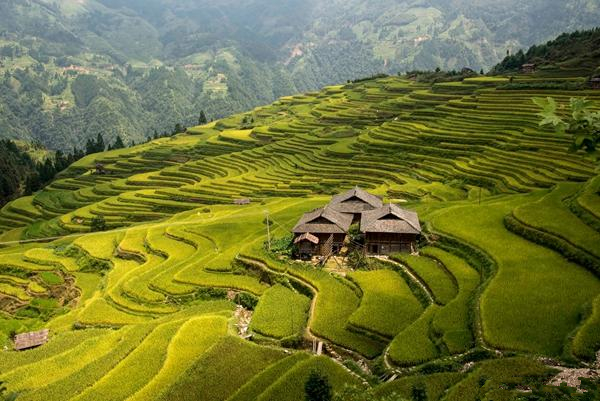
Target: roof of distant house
323,220
31,339
390,218
243,201
356,200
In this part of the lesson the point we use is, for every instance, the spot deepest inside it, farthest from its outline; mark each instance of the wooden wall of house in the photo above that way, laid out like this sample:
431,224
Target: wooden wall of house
388,243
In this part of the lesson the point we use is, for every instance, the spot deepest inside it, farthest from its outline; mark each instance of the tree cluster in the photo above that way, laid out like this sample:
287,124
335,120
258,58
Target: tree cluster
573,46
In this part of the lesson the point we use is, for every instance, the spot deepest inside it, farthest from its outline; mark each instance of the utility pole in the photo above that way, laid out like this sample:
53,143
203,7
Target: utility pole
268,231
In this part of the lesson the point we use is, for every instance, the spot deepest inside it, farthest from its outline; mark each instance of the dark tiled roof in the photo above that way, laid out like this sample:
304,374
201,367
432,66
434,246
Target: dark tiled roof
308,237
356,200
402,221
32,339
323,220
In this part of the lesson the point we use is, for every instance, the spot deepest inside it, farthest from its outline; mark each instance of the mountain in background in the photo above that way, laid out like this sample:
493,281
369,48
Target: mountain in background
71,69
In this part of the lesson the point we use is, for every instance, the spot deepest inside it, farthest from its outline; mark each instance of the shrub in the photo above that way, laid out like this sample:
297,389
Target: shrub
282,245
317,387
358,260
208,293
98,224
248,301
294,341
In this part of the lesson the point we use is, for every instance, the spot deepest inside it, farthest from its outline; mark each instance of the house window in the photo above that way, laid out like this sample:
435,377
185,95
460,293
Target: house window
374,248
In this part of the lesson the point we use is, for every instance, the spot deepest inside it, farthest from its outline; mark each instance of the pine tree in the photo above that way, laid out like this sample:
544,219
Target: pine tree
179,128
202,119
317,387
46,171
32,183
61,162
90,147
100,146
118,143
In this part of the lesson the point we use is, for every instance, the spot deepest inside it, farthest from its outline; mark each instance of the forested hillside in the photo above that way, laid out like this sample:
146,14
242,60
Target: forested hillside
71,69
576,53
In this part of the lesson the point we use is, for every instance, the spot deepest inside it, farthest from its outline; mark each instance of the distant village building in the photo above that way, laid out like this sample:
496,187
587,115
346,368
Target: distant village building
387,228
390,229
595,83
32,339
321,232
243,201
100,169
528,68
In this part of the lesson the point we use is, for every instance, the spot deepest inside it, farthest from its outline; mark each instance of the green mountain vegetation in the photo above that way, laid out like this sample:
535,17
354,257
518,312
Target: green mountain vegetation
572,53
505,288
71,69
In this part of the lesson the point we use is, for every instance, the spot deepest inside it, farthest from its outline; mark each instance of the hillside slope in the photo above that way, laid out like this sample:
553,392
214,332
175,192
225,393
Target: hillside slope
573,53
511,270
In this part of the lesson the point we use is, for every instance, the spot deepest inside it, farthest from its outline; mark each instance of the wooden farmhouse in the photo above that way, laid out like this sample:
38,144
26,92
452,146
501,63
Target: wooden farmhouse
321,232
390,229
387,228
355,202
595,83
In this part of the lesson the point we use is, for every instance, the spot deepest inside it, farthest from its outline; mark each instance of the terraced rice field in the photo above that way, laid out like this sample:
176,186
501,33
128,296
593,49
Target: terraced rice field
147,310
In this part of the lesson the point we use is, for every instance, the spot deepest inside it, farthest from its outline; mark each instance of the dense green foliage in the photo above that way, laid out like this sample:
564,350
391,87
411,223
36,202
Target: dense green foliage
317,387
70,70
583,123
575,51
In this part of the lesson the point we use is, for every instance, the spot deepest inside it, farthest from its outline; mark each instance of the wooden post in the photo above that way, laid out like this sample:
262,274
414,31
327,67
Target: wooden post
268,232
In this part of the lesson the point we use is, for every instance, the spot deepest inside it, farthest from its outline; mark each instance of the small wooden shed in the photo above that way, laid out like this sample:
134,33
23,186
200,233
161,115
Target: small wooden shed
31,340
240,202
528,68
